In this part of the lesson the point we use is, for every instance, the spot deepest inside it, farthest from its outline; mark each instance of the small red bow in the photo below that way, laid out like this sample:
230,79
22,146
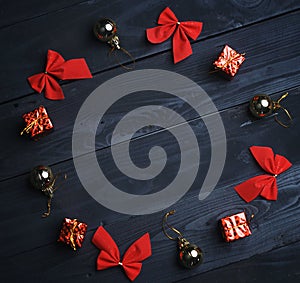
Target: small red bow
168,24
264,185
56,66
110,256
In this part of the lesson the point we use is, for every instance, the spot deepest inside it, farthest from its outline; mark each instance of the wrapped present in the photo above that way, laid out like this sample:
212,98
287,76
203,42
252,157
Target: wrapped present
229,61
72,233
235,227
37,122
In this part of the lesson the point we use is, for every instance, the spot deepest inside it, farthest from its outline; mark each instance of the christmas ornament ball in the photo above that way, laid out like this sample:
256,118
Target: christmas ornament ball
105,29
190,255
41,177
261,106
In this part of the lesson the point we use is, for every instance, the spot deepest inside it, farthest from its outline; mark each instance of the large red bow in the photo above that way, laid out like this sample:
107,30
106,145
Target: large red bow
264,185
56,66
110,256
168,24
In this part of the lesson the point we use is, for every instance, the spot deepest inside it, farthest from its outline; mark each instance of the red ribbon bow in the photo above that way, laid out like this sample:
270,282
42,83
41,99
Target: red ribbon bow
168,24
56,66
264,185
110,256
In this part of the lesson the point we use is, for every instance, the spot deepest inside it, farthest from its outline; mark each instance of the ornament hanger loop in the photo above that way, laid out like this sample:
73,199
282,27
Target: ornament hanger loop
277,106
125,52
165,223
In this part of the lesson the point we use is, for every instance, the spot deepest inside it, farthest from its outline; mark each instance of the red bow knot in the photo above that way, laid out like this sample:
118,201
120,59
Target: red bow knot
110,256
168,24
264,185
56,66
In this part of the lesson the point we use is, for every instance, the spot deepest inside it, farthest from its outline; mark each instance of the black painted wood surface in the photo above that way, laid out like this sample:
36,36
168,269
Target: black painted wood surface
267,31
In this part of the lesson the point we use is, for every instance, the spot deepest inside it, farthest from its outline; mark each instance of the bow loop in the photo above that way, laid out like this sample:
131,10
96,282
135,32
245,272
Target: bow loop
57,67
168,24
54,65
273,164
167,16
191,29
161,33
264,185
110,256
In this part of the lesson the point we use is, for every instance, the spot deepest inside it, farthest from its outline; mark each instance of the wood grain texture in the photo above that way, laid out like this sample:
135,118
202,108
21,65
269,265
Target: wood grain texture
267,31
254,77
16,12
277,265
197,220
69,31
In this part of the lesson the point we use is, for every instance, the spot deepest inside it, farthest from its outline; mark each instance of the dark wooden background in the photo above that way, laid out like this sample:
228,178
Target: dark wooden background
267,30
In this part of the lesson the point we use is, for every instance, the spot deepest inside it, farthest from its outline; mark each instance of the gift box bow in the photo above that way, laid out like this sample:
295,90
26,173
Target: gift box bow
264,185
37,121
229,60
57,67
169,24
110,256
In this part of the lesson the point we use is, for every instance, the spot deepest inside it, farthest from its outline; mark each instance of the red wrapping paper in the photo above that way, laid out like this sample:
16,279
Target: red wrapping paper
235,227
229,61
72,233
37,122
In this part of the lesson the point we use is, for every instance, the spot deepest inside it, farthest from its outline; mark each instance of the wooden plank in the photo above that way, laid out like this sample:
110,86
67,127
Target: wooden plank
256,76
72,200
275,266
69,32
15,12
197,221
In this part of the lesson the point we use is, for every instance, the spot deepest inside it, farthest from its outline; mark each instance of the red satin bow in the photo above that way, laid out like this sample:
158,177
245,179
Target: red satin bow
56,66
264,185
110,256
168,24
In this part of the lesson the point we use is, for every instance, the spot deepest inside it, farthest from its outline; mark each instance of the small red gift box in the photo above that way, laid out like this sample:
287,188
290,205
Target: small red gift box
37,122
235,227
72,233
229,61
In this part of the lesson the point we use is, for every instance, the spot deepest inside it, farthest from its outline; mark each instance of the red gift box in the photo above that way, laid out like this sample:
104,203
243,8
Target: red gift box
72,233
37,122
229,61
235,227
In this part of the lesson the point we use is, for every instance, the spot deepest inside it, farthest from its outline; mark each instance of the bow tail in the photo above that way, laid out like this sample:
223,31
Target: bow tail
106,260
37,82
132,270
253,187
270,190
75,69
181,46
53,90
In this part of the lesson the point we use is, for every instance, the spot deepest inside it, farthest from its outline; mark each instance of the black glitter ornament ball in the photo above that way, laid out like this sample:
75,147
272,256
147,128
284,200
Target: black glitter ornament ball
190,255
105,29
261,106
41,177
